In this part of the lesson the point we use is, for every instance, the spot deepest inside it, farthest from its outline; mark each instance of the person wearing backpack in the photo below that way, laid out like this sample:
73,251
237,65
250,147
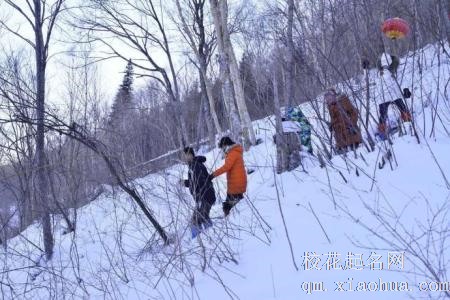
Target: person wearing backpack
391,93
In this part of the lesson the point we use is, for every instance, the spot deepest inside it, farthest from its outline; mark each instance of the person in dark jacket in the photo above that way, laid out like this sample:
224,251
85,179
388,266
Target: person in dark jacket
201,189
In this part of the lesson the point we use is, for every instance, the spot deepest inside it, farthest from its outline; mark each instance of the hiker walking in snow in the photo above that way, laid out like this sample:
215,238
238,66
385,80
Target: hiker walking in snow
236,174
343,121
201,189
391,93
301,126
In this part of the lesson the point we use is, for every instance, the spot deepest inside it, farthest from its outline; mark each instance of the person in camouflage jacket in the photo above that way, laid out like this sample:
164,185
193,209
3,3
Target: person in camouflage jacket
295,114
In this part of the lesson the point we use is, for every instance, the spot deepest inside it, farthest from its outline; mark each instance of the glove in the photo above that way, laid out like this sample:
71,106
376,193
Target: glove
406,93
210,177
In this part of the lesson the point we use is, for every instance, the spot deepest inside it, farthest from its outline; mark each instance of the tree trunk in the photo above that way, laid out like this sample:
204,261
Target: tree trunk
282,161
203,60
290,56
225,77
288,144
42,183
206,107
207,87
200,50
227,93
248,131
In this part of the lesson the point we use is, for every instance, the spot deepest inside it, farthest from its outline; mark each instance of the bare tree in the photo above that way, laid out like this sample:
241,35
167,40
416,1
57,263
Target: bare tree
139,26
17,140
219,11
288,144
202,46
41,17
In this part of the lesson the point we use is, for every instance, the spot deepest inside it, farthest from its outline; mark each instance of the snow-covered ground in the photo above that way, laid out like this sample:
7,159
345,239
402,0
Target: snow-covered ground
337,229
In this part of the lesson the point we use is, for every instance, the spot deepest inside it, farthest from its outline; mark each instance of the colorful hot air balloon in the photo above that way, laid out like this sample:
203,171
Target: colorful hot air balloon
395,28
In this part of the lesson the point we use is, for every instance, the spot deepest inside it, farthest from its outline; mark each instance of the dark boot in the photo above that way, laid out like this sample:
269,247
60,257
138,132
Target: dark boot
341,150
230,202
406,116
226,206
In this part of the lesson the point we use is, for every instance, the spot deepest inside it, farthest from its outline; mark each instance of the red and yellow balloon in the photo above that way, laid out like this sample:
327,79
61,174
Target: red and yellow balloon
395,28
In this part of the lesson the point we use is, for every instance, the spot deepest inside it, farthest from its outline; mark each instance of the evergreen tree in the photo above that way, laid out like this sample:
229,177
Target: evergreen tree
123,100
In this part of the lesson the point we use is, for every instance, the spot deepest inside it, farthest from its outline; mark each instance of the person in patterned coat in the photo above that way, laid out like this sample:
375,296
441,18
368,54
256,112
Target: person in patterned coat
343,121
295,114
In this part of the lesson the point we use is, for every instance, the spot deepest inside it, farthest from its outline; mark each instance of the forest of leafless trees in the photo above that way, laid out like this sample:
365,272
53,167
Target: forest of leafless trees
193,71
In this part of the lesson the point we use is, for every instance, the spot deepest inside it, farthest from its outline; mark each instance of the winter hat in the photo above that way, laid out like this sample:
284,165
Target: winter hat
330,96
189,150
365,63
225,141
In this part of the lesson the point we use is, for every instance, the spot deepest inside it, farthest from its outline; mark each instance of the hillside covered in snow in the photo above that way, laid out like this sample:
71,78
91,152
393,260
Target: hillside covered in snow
349,230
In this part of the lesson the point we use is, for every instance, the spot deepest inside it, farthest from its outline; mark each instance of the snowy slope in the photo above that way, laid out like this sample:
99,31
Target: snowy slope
248,256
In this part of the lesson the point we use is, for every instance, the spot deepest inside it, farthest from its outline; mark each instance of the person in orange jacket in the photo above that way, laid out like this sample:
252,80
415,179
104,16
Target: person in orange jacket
236,174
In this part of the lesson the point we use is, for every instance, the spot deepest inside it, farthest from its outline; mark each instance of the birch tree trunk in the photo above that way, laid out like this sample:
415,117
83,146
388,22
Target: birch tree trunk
225,77
246,122
227,93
